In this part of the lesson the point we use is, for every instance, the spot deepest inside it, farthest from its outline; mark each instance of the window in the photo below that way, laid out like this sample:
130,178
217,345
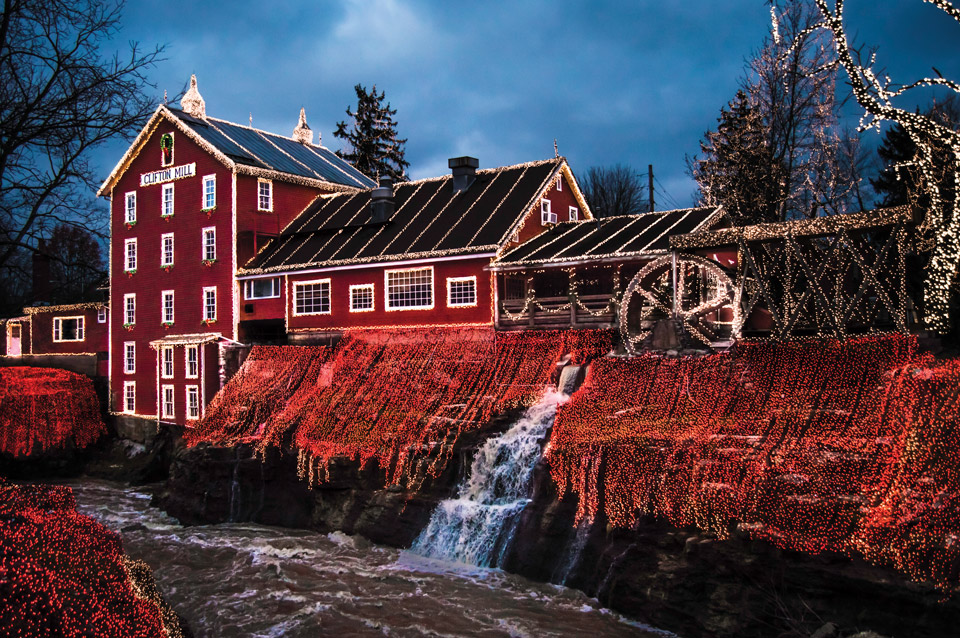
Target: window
102,314
409,289
130,252
574,213
130,216
167,408
514,288
209,244
209,191
68,328
461,291
166,362
129,357
264,195
166,249
193,365
546,216
361,298
312,297
261,288
193,402
559,184
130,309
129,396
210,304
167,208
166,306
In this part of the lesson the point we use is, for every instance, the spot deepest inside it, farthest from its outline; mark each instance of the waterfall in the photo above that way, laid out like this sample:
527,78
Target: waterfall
477,527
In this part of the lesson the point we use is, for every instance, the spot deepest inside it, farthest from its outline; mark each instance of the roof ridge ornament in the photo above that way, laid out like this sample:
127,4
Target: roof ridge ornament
303,133
192,102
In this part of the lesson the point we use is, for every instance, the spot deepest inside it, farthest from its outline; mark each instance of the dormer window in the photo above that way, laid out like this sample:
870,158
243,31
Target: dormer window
574,213
265,195
166,149
559,184
546,216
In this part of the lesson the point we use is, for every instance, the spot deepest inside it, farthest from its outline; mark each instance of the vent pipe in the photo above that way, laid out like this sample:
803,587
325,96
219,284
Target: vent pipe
464,172
381,201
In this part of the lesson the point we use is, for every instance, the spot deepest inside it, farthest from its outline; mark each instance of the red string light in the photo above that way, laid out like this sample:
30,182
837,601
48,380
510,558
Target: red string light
62,573
46,408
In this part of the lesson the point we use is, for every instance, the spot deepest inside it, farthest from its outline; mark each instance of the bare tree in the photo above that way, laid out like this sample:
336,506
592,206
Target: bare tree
876,93
60,98
614,190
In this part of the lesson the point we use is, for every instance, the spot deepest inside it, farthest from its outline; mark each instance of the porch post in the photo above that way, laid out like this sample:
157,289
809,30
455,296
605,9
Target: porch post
673,273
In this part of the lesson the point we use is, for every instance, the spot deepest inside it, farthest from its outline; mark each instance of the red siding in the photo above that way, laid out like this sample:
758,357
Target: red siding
560,203
94,333
340,281
256,227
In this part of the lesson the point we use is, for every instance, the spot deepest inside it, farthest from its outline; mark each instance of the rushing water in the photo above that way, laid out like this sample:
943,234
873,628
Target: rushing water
476,528
251,580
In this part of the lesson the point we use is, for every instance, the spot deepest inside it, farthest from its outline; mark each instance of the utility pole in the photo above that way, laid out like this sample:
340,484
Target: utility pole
650,184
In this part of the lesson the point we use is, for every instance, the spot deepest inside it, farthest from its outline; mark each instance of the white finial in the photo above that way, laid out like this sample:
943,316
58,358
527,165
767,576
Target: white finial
556,151
192,102
302,132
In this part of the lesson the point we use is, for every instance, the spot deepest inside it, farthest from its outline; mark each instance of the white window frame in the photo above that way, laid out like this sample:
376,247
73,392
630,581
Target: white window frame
167,188
164,317
574,214
166,362
386,289
102,314
129,397
206,315
130,208
560,184
58,329
192,407
452,280
248,291
167,392
195,374
313,282
163,249
268,197
130,255
211,233
369,288
130,308
129,357
208,179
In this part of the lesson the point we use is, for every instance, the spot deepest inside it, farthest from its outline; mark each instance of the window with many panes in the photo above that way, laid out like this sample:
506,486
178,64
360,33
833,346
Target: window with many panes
129,357
167,206
101,314
130,309
193,402
461,291
166,362
261,288
264,195
193,361
129,396
210,303
130,215
167,408
209,244
209,191
409,289
311,297
68,328
130,255
166,249
361,298
166,306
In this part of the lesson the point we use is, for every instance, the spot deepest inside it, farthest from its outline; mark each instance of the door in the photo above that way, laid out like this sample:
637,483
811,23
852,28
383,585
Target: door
13,340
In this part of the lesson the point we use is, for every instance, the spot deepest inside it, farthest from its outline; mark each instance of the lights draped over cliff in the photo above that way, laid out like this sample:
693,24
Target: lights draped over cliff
814,446
400,397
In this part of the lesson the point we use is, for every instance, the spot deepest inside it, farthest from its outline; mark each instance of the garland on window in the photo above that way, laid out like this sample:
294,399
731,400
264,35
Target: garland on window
814,446
46,408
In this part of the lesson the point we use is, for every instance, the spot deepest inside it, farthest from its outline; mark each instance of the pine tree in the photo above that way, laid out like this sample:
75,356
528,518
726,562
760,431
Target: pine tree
736,168
896,149
372,143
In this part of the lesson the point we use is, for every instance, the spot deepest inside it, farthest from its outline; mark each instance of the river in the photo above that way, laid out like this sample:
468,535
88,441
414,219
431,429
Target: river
241,579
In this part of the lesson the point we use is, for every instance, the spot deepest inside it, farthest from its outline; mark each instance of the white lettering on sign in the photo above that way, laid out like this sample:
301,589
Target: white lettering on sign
168,174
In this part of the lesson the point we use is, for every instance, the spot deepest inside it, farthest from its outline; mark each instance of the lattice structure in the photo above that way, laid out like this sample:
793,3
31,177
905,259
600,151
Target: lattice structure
827,277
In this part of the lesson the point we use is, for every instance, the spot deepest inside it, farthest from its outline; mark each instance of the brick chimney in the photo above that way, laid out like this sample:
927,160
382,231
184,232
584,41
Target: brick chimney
381,201
464,172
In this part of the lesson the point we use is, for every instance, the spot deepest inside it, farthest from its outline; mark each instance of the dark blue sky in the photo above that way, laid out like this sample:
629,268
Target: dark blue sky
632,82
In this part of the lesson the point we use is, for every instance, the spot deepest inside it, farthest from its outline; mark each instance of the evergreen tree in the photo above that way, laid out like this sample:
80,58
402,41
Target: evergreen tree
896,149
372,143
736,168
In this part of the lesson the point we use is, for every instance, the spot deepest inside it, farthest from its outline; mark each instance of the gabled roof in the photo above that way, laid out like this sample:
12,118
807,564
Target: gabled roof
250,151
608,238
429,220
